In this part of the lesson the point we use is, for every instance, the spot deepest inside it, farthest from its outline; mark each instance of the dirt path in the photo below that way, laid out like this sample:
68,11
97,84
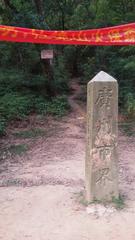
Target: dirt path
41,190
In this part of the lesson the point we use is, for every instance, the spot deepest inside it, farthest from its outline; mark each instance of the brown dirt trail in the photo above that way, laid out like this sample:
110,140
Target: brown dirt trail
40,191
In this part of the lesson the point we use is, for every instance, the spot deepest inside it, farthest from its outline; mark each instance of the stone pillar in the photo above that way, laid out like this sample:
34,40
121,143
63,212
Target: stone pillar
101,149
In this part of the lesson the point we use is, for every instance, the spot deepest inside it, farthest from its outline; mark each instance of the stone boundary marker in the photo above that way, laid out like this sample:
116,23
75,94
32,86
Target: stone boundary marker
101,147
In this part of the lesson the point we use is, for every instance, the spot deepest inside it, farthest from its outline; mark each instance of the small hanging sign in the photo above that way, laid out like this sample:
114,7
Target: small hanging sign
47,54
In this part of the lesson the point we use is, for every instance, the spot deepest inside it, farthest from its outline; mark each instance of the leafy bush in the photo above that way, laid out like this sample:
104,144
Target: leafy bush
41,105
15,106
23,71
11,80
88,69
57,106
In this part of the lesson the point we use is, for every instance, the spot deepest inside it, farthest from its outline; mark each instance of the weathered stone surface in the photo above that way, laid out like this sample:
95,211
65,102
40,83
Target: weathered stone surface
101,150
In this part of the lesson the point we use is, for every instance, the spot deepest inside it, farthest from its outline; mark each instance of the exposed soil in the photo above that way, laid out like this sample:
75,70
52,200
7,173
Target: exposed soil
41,190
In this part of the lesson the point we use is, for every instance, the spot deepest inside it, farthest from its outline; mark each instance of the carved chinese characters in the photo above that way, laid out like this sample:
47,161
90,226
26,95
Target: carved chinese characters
104,97
101,152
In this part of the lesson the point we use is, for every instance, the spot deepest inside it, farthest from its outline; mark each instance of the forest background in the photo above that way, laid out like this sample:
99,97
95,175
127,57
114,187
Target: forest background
25,87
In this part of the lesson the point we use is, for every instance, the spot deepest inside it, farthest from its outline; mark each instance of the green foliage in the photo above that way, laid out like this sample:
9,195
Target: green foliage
57,106
88,69
71,58
24,84
118,202
60,75
14,106
10,80
41,105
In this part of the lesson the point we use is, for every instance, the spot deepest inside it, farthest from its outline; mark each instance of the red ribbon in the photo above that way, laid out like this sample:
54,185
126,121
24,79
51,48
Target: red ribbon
119,35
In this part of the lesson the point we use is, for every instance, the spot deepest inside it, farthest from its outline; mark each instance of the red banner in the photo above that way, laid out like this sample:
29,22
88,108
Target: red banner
119,35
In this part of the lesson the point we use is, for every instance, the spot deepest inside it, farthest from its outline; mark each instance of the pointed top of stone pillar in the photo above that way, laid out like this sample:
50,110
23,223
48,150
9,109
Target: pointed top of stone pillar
103,77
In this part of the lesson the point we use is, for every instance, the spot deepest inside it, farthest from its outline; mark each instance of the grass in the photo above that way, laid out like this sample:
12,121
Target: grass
32,133
58,106
118,202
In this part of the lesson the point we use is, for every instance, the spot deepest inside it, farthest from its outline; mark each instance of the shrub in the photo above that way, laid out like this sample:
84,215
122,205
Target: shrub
57,106
15,106
41,105
11,80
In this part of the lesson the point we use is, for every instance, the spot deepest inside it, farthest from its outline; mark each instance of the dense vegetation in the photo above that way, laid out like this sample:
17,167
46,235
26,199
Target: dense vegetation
24,85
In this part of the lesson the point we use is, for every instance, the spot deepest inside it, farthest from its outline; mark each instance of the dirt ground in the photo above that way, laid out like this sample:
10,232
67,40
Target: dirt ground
41,190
